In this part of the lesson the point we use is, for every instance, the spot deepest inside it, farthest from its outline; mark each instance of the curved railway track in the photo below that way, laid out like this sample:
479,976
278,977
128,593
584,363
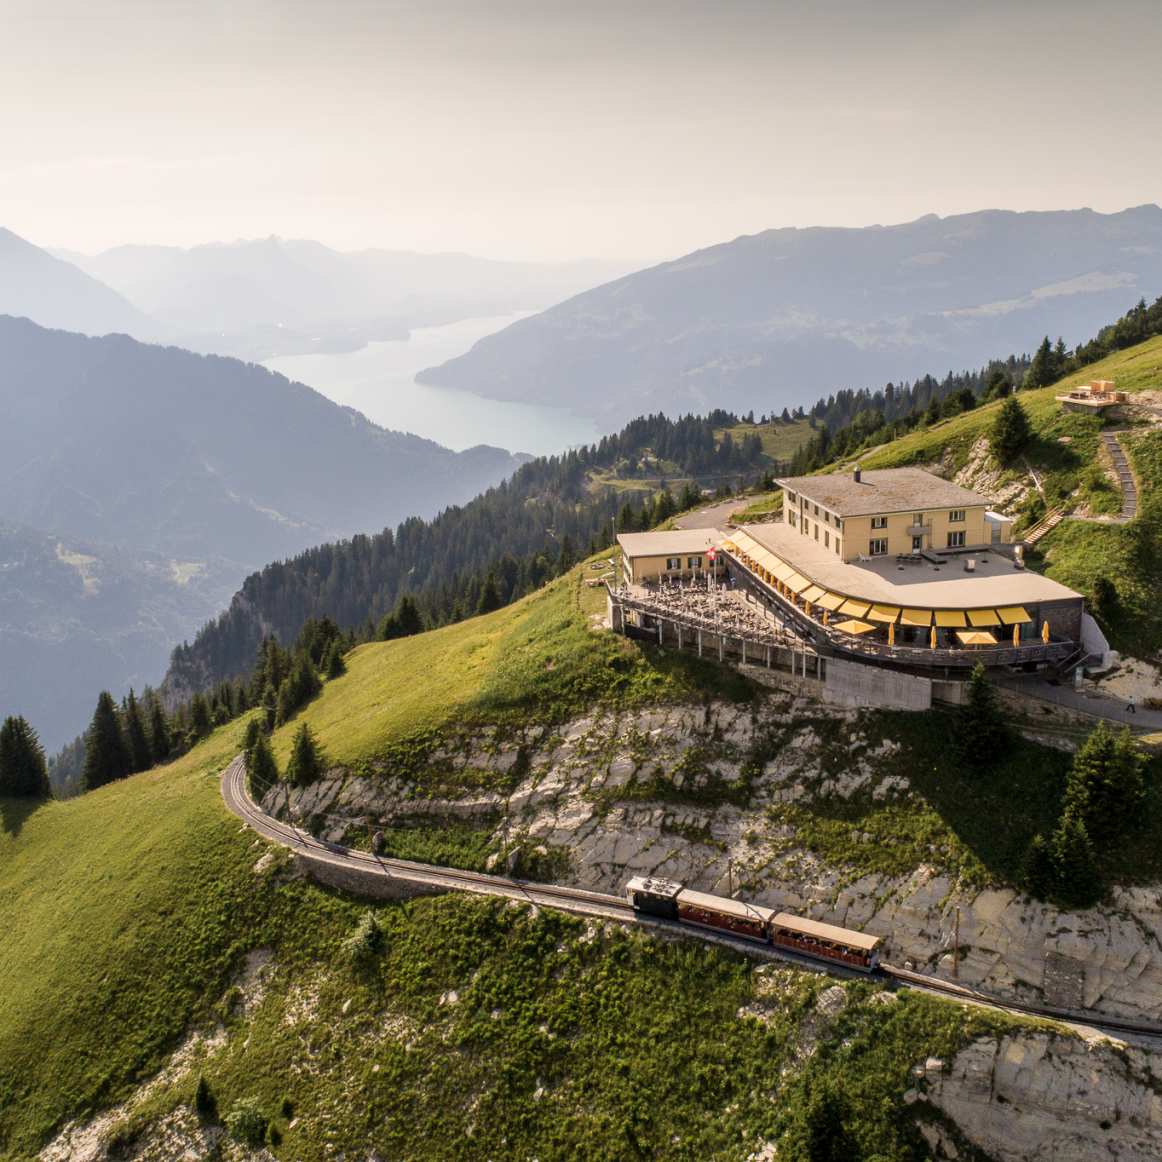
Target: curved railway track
237,799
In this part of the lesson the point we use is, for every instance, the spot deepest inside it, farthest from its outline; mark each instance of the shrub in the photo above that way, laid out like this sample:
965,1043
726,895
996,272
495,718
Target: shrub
246,1122
366,943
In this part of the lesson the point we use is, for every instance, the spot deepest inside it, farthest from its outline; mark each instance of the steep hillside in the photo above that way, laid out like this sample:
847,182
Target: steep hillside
55,293
76,617
776,318
175,474
175,946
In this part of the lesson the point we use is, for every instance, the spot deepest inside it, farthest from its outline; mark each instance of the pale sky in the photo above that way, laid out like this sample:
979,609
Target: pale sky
544,129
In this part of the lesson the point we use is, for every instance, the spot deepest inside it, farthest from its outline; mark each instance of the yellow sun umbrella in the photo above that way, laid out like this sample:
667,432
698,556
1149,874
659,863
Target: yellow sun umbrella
891,633
1016,635
1045,632
932,637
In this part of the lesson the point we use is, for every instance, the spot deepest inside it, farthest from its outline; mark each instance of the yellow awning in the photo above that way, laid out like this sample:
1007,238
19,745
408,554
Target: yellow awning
796,583
884,612
854,626
831,601
782,571
916,617
729,546
855,608
975,637
1014,614
812,593
949,618
983,617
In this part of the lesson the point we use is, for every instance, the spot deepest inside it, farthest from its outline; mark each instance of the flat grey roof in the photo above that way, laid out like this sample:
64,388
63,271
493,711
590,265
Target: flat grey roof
669,543
915,584
882,490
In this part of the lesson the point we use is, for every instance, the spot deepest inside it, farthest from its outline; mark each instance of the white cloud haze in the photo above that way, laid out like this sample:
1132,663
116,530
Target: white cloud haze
543,129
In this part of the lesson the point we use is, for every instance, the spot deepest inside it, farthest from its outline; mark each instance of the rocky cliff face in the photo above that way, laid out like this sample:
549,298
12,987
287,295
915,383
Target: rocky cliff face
716,797
1033,1096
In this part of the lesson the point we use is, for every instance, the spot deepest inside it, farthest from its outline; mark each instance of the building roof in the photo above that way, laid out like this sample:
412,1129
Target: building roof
830,932
996,581
725,904
673,542
882,490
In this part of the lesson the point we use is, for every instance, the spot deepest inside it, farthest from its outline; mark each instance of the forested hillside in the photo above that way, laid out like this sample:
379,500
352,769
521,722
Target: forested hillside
521,532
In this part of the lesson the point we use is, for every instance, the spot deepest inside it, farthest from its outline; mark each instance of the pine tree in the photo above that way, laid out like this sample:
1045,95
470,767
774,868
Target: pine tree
1106,783
136,742
1010,431
200,721
627,521
984,731
404,621
23,770
306,761
1038,872
160,743
1078,882
335,667
489,596
568,555
1040,371
261,768
105,755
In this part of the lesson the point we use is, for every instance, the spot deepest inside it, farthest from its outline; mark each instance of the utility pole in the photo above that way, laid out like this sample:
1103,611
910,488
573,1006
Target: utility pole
956,948
729,876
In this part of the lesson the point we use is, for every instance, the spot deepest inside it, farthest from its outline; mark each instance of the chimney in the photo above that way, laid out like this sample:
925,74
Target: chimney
856,474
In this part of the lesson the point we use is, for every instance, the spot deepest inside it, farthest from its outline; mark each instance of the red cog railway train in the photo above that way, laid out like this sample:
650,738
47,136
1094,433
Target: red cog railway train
671,901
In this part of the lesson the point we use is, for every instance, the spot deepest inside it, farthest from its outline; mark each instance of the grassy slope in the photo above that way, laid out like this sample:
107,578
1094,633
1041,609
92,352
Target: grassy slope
780,441
536,658
127,911
1077,552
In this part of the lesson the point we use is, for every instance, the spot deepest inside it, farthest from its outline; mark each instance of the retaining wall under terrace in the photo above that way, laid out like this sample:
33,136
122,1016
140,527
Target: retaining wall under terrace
855,684
374,883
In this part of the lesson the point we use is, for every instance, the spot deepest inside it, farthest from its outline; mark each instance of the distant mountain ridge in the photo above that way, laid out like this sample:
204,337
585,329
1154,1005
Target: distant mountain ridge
260,297
774,319
57,294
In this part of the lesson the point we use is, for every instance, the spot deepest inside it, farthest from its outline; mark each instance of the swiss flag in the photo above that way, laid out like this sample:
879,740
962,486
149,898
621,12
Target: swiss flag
711,554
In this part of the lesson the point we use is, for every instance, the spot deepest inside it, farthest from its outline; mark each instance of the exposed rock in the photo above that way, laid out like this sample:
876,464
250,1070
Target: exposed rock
1034,1096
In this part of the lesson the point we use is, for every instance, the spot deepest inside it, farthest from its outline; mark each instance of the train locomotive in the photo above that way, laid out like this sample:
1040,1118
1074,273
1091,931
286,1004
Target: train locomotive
669,900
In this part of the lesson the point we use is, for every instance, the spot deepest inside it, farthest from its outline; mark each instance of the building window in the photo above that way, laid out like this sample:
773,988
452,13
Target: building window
956,516
839,524
837,546
826,539
673,563
878,546
791,519
879,522
956,540
693,562
816,530
791,498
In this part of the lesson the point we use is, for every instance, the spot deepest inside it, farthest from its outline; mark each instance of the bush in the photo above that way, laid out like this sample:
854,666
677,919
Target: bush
246,1122
366,943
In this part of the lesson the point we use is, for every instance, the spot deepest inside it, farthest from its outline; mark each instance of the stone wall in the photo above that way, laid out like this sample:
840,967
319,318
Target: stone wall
372,884
855,684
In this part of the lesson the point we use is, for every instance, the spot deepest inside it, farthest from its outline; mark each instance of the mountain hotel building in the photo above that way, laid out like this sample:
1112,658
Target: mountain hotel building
898,567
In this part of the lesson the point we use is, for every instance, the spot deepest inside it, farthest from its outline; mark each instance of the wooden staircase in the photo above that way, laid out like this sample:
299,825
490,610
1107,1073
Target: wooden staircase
1045,525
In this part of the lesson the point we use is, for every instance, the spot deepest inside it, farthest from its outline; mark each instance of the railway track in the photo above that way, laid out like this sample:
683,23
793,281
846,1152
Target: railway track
579,900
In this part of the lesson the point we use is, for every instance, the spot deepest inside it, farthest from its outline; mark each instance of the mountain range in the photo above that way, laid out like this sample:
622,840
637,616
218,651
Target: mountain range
778,318
273,296
175,475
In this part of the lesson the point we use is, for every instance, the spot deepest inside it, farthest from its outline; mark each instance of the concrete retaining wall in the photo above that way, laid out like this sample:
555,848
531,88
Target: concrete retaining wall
377,885
853,684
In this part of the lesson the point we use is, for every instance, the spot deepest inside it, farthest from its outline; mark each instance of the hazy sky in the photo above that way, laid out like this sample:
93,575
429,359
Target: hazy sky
518,128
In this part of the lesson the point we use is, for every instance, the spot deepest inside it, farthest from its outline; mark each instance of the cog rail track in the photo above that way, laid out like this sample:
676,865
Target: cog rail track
237,799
